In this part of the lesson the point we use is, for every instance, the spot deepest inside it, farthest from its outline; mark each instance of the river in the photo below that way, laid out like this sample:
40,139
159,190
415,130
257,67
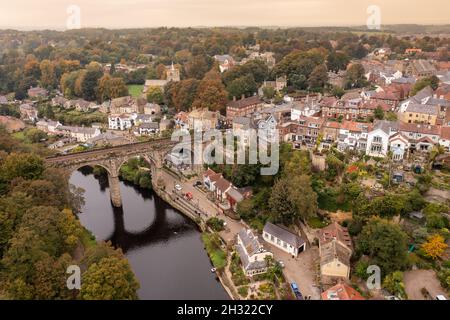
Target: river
163,246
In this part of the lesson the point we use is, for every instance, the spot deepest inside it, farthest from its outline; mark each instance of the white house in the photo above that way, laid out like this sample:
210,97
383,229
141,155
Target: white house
210,178
120,122
378,138
399,146
81,134
252,253
304,109
283,239
147,128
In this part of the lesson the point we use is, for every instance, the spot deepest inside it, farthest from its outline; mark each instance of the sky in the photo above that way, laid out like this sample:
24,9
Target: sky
53,14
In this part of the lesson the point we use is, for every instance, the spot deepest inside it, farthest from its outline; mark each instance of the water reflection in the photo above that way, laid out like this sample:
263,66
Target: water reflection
163,246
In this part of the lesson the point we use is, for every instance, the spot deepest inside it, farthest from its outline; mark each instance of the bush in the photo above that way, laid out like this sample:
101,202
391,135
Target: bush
394,284
216,224
243,291
361,269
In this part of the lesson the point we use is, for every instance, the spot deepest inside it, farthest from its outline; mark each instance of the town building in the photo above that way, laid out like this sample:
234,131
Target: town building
37,92
252,253
120,122
284,239
335,250
226,62
378,138
243,107
341,291
81,134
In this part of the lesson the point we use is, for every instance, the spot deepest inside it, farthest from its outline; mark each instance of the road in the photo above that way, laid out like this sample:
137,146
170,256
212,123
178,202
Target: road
301,270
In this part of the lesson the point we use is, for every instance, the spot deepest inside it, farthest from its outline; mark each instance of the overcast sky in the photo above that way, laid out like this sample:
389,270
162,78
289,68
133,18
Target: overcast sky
26,14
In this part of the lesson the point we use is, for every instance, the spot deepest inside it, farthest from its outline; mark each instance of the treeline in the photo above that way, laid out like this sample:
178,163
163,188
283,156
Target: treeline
40,236
69,60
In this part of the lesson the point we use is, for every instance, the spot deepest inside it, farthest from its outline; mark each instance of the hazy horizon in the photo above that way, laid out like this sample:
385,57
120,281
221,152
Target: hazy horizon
128,14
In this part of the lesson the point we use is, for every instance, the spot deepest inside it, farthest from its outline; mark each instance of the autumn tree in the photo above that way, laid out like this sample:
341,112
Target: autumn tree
48,75
318,78
109,279
212,95
435,247
355,77
155,95
337,61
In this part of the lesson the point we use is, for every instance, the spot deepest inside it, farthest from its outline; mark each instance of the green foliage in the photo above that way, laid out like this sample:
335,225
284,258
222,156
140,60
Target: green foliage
293,199
109,279
394,284
215,224
155,95
432,82
134,171
213,247
244,85
355,77
385,243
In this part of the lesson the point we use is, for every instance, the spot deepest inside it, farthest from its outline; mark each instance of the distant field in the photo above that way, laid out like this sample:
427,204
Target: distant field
135,89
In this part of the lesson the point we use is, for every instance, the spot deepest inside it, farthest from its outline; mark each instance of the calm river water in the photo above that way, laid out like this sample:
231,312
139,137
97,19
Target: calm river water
162,245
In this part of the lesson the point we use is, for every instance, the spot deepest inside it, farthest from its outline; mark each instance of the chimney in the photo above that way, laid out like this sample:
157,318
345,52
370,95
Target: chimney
234,98
243,96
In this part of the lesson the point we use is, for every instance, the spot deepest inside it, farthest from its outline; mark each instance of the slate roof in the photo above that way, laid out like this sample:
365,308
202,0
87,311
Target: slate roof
284,234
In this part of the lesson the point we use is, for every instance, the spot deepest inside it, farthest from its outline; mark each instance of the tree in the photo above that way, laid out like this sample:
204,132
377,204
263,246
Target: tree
109,279
269,92
24,165
211,95
355,77
184,94
48,76
293,199
394,284
432,82
155,95
244,85
434,247
89,82
337,61
385,243
318,78
198,66
35,135
379,113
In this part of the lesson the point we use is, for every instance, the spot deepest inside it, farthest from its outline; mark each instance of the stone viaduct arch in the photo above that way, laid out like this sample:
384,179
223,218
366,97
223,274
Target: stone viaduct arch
113,158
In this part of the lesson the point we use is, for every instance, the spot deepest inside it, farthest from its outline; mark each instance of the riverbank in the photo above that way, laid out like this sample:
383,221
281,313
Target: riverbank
180,204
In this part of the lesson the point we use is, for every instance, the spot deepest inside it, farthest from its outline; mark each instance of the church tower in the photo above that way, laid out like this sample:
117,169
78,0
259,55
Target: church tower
172,73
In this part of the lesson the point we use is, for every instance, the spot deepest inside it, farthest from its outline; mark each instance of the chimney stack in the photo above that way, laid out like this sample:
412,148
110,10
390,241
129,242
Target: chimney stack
243,96
234,98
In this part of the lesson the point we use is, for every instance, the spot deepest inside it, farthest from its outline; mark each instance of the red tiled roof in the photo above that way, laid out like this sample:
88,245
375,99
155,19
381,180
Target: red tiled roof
223,184
420,128
335,231
445,133
341,291
333,124
245,102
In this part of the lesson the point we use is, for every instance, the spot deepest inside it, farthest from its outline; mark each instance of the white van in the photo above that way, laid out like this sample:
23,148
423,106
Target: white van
440,297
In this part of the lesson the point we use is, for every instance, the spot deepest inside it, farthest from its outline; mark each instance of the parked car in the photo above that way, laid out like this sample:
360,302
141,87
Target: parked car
198,184
281,263
178,187
297,293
